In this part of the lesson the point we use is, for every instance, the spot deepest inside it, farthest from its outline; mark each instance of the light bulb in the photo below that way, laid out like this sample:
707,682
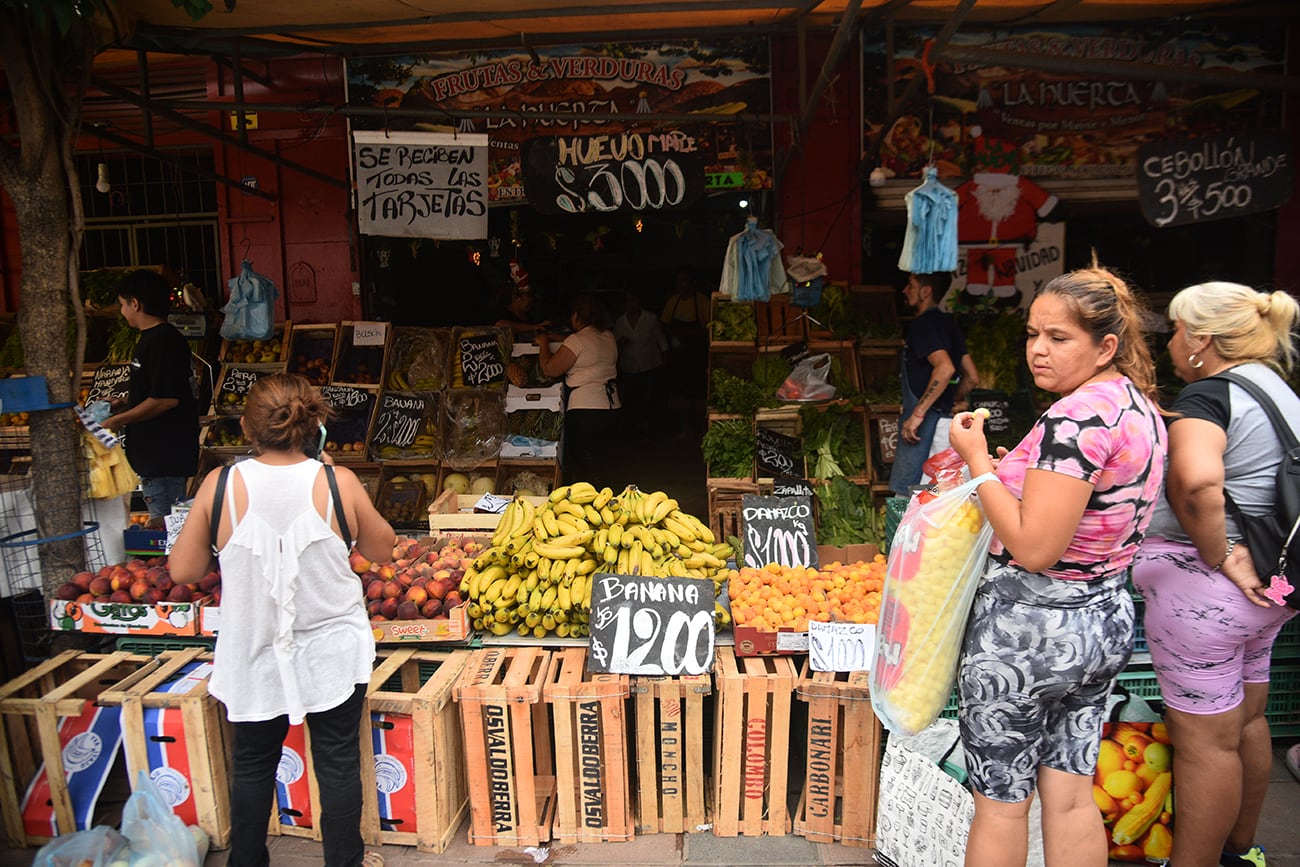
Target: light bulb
744,203
102,184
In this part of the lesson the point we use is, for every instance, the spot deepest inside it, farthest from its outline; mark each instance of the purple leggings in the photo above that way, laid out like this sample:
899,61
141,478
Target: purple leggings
1206,639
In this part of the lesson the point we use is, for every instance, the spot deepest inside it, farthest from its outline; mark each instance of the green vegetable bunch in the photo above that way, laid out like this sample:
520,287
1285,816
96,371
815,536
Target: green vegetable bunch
996,343
734,322
846,514
735,395
121,343
834,441
770,370
728,448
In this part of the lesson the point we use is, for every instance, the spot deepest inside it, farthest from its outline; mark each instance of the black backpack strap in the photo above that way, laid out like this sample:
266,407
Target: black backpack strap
218,503
1280,425
338,506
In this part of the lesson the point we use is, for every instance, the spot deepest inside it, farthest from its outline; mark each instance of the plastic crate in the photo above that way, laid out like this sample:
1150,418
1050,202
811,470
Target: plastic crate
143,646
894,509
1287,645
1283,710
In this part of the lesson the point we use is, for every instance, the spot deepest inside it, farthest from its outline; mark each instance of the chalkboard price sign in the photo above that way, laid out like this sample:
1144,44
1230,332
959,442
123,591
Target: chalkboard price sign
778,454
1213,178
778,530
480,361
238,380
422,184
791,488
651,626
401,418
628,171
110,381
345,396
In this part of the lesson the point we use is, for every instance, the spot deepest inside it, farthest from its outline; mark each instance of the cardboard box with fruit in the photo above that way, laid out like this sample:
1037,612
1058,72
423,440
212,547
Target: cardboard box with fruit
417,596
135,597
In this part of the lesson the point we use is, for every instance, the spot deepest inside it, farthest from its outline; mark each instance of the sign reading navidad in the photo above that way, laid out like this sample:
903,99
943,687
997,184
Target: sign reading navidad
1084,124
590,91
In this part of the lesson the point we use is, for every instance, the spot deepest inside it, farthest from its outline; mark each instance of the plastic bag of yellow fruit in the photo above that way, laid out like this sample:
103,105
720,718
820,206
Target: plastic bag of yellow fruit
1133,789
935,563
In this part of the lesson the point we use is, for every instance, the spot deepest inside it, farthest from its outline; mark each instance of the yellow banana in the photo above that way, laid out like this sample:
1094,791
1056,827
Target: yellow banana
501,628
582,493
600,540
539,528
607,516
535,601
548,622
543,568
562,597
634,554
559,494
493,591
587,565
555,552
578,539
611,554
647,506
615,534
679,529
548,520
571,569
563,630
602,499
593,517
521,596
568,507
620,566
662,510
648,565
578,591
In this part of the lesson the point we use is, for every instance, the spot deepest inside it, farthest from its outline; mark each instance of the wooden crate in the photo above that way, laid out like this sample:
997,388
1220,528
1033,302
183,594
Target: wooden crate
842,760
233,383
361,364
668,721
31,706
879,368
277,344
779,321
751,744
717,301
311,352
507,746
411,690
200,730
845,354
593,795
724,505
353,415
546,469
783,420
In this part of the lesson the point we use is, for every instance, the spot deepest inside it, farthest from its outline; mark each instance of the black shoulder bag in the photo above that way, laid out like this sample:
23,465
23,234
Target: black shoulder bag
219,502
1272,537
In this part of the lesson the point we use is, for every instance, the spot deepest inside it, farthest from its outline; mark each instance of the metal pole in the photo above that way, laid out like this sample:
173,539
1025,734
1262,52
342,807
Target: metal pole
132,144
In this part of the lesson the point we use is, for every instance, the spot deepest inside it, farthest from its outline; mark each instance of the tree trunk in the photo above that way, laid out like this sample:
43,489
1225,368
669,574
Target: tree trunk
36,178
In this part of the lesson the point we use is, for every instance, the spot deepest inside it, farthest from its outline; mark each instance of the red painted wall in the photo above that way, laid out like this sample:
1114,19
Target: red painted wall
819,203
1286,256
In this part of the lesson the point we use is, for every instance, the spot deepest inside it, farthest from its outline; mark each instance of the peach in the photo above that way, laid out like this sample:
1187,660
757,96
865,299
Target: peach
418,595
181,593
152,595
83,579
209,582
388,608
85,597
138,587
392,589
375,590
102,585
120,596
431,609
67,591
408,611
372,607
452,600
359,564
165,582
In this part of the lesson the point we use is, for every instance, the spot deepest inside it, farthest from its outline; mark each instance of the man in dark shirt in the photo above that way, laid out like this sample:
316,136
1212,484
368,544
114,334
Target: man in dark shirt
161,415
937,371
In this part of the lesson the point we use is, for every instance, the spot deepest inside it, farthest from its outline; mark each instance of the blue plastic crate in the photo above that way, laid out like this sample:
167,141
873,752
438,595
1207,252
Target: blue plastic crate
23,394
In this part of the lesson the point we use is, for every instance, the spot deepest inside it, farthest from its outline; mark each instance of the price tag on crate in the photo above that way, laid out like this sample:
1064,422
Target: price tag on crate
778,454
651,626
369,333
791,488
841,646
401,418
778,530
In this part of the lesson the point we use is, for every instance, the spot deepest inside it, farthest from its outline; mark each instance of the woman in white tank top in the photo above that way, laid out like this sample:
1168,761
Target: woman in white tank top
295,641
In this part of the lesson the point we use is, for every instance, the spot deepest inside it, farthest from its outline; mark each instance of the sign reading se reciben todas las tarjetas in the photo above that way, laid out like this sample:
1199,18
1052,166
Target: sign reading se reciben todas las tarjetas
422,185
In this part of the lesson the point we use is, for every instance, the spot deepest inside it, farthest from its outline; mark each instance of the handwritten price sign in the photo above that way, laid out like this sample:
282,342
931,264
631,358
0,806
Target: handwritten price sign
841,646
651,626
1214,178
778,530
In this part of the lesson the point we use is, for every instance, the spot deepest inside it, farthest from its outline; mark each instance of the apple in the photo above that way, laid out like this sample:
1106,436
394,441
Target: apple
431,609
83,579
181,593
407,611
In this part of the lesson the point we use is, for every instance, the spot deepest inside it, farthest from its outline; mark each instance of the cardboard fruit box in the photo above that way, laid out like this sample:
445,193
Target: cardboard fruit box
451,625
751,641
125,618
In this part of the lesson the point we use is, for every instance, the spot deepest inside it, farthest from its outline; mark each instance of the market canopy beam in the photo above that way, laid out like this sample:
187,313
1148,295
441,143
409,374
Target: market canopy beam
1114,68
154,153
151,107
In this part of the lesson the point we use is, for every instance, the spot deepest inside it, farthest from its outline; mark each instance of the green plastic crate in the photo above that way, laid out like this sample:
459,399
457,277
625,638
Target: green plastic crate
1287,645
1283,711
894,509
154,646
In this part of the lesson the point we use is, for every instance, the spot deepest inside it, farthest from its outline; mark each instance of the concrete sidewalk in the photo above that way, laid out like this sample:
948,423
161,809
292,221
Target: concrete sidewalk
1279,834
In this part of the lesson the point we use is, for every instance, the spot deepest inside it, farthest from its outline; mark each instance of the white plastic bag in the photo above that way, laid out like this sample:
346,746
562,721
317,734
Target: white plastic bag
100,846
156,834
809,380
935,564
250,312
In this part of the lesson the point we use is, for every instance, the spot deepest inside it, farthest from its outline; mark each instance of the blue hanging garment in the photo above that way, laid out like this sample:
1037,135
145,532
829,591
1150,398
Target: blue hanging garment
930,244
250,312
755,250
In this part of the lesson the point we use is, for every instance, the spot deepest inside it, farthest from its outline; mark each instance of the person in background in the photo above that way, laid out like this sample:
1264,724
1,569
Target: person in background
517,313
1210,630
1051,627
937,371
641,347
160,418
685,318
297,645
588,361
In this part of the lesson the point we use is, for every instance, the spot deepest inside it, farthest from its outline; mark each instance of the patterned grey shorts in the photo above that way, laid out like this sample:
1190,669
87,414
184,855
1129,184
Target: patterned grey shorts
1038,662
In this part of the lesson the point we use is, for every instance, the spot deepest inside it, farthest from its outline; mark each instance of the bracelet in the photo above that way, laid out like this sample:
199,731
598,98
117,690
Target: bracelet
1232,543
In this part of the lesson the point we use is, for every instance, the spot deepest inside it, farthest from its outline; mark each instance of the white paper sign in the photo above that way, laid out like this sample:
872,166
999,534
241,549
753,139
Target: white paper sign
369,333
792,642
493,503
422,184
841,646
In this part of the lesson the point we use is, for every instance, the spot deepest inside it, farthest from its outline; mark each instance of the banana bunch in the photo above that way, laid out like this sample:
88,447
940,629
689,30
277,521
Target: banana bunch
109,473
535,578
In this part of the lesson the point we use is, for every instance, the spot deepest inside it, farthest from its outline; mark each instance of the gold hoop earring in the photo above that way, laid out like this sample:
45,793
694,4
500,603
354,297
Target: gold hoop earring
1195,365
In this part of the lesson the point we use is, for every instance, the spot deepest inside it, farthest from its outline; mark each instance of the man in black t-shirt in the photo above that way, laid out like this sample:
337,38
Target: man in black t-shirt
936,371
161,414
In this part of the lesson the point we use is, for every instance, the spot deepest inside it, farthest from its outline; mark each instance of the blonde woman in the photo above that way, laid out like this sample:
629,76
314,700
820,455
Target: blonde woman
1209,627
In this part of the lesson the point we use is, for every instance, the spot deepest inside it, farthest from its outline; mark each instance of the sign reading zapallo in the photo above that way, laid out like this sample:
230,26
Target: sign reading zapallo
613,90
